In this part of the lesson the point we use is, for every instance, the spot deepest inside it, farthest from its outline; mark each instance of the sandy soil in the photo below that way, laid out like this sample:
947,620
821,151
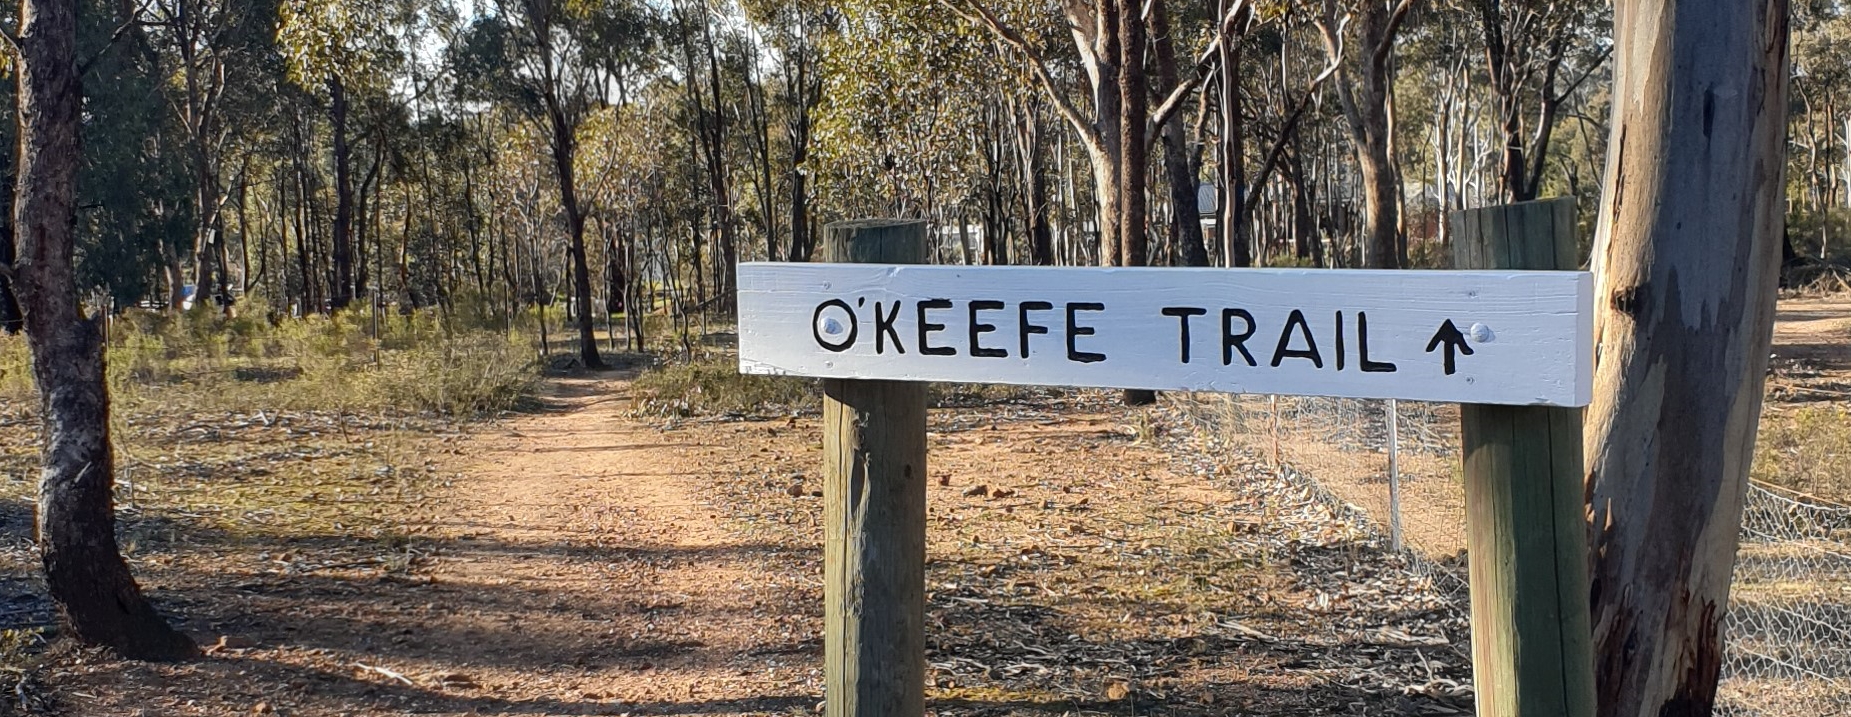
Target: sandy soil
1812,350
583,560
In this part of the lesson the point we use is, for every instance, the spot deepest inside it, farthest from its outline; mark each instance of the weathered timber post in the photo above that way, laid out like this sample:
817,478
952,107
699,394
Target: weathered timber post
874,511
1525,503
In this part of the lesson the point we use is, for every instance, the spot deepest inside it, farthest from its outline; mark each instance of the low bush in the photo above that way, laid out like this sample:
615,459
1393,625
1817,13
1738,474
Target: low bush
714,386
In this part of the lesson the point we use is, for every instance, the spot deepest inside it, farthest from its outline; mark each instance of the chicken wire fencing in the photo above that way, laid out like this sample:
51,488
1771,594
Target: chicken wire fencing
1394,465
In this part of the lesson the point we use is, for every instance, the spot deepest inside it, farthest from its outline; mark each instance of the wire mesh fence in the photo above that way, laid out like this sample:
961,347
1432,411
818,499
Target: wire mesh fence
1789,625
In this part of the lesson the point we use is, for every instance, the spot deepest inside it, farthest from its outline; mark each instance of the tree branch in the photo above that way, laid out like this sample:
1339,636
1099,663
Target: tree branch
1174,101
1379,57
1286,131
128,23
1038,66
1598,61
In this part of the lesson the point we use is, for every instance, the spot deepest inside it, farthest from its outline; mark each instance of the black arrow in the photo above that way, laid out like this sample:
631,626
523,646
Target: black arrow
1449,335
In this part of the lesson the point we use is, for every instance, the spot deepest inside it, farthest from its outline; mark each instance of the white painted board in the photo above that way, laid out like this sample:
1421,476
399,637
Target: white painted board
1505,337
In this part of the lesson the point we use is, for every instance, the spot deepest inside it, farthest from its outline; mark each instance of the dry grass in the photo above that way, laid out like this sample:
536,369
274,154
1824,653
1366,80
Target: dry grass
310,426
1806,448
712,386
715,386
247,448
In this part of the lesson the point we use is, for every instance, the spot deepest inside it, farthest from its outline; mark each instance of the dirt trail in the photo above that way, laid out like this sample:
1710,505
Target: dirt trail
1082,560
569,566
597,529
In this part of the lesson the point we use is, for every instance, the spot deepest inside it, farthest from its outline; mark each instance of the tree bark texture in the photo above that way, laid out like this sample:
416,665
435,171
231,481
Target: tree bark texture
1031,155
1133,179
98,600
565,152
1231,217
1686,255
1134,114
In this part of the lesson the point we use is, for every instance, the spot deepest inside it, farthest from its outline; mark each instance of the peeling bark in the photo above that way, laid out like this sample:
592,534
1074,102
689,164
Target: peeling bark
1687,256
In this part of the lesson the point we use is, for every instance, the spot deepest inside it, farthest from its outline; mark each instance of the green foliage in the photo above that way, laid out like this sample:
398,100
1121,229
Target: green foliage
348,39
541,57
1821,234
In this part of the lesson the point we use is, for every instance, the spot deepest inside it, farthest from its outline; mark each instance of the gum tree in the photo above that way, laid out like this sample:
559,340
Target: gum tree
1687,257
97,597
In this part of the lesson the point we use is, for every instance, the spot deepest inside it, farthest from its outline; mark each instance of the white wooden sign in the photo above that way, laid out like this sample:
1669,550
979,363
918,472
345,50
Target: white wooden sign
1508,337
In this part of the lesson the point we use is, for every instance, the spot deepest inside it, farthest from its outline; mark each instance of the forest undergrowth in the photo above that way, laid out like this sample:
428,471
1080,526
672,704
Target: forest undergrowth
295,446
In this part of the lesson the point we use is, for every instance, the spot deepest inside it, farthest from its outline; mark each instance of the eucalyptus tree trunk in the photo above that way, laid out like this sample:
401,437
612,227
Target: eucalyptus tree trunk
1687,253
806,91
1102,52
1031,159
342,289
1178,162
1364,94
1134,114
96,596
1231,216
564,148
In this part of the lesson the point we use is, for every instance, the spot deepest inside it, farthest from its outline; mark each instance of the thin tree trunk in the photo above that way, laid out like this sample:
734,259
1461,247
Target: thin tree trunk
563,153
761,144
343,280
96,595
302,241
1031,153
805,93
1231,219
1687,256
367,207
1134,109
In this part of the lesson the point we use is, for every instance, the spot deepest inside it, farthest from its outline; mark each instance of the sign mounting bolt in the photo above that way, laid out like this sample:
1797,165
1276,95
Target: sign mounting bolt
1482,334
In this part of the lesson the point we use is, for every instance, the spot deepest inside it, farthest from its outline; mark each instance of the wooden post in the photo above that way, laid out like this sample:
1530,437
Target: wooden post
1525,503
874,511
